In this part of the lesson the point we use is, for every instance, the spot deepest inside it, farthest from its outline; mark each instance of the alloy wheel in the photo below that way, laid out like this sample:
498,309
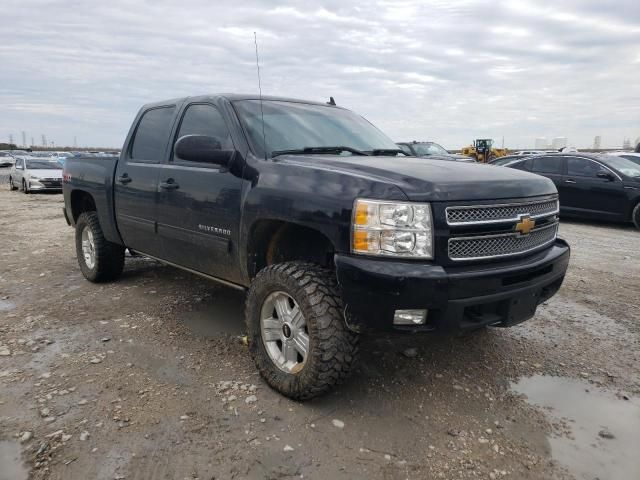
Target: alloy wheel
284,332
88,247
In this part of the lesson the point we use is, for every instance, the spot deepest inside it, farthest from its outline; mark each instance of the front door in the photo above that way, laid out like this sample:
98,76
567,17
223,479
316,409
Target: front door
136,181
586,194
18,173
199,203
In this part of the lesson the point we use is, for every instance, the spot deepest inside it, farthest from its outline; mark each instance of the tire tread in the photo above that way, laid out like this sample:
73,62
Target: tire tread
334,347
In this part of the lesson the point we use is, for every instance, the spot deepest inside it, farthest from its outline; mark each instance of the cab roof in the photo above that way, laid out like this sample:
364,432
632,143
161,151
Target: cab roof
232,97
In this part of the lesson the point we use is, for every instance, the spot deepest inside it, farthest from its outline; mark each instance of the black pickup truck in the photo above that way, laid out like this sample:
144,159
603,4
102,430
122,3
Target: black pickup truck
330,228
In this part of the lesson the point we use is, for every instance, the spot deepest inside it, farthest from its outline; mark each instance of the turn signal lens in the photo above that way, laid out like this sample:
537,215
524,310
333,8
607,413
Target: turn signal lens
364,211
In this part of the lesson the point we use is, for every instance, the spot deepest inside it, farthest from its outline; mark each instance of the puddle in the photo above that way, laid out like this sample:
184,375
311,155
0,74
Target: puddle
11,466
220,314
588,411
156,363
4,306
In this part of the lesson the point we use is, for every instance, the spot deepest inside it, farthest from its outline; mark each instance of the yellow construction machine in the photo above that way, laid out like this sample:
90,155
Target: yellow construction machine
482,150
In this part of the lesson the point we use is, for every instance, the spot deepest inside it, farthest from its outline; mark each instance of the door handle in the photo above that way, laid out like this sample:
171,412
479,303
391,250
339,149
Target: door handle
569,181
124,178
170,184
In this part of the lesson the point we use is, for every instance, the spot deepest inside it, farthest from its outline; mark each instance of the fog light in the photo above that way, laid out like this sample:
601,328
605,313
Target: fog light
410,317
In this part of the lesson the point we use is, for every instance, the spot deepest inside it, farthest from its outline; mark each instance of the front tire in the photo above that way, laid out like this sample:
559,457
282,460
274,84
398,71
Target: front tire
635,216
12,187
297,334
25,188
99,259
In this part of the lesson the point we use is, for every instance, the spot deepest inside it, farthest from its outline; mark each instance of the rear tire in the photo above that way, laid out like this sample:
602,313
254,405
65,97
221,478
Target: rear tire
99,259
313,313
635,216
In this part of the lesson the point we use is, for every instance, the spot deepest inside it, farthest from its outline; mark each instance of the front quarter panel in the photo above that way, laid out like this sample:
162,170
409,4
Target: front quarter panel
317,198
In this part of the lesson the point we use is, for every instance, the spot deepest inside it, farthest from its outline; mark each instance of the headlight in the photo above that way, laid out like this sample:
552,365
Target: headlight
393,229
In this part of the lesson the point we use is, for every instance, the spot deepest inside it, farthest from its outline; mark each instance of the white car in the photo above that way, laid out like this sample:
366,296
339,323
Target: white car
31,174
528,152
6,159
634,157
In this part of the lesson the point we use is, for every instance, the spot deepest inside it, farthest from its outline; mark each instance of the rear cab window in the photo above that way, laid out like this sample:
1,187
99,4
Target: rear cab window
151,136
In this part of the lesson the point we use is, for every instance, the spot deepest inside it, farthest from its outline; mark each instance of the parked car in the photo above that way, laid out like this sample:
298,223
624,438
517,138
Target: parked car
309,208
431,150
634,157
593,186
527,152
6,159
33,174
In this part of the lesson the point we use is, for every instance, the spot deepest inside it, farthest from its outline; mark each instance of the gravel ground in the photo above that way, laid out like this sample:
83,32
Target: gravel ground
148,377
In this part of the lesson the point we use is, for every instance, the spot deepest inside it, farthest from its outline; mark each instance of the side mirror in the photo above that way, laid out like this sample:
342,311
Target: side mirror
606,176
202,148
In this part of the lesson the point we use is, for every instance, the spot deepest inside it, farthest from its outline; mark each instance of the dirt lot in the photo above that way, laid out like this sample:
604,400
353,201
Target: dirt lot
148,378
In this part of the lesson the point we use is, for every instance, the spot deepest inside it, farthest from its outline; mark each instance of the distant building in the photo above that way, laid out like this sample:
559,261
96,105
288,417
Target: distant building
596,142
541,143
626,145
558,143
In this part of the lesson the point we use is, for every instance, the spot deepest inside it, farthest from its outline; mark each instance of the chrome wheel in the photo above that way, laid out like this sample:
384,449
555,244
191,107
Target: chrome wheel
88,247
284,332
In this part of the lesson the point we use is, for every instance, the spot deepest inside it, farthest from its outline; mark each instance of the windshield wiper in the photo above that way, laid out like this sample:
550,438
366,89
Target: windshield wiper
318,150
387,151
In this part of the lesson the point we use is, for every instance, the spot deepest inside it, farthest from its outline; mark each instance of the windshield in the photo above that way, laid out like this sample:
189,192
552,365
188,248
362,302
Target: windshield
292,126
43,165
623,165
429,148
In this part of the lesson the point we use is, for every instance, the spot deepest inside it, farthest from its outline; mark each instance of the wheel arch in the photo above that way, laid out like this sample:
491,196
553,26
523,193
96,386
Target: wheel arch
272,241
81,201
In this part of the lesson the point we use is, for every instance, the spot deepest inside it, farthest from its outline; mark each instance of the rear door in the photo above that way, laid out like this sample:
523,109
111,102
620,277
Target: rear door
586,194
136,180
551,167
199,203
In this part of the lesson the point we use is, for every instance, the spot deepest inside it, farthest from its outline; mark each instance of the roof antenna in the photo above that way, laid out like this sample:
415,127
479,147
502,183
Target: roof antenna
331,101
264,137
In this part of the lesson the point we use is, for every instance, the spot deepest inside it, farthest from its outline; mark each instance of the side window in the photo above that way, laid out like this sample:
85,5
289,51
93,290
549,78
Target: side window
547,165
524,165
19,163
200,119
405,149
151,136
579,167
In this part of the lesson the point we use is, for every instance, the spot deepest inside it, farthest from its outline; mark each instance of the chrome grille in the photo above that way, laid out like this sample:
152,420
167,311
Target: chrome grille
483,214
500,245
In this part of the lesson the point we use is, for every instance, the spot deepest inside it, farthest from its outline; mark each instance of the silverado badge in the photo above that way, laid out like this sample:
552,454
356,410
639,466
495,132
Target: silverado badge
525,225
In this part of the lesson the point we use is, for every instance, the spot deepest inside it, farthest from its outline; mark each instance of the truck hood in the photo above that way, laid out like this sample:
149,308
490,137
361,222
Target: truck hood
424,179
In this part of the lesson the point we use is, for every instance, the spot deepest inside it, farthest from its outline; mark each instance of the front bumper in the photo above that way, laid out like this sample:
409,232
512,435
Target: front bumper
45,185
457,298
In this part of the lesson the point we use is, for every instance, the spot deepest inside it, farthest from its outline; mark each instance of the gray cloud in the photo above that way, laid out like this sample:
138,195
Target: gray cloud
449,71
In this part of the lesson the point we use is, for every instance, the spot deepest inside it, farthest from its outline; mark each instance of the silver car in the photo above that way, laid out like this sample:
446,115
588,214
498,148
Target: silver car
31,174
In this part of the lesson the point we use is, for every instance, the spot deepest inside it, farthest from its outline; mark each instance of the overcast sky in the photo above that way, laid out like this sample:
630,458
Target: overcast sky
448,71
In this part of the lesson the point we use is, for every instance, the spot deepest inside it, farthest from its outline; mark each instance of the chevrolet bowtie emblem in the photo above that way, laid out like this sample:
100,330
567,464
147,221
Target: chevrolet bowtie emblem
525,225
